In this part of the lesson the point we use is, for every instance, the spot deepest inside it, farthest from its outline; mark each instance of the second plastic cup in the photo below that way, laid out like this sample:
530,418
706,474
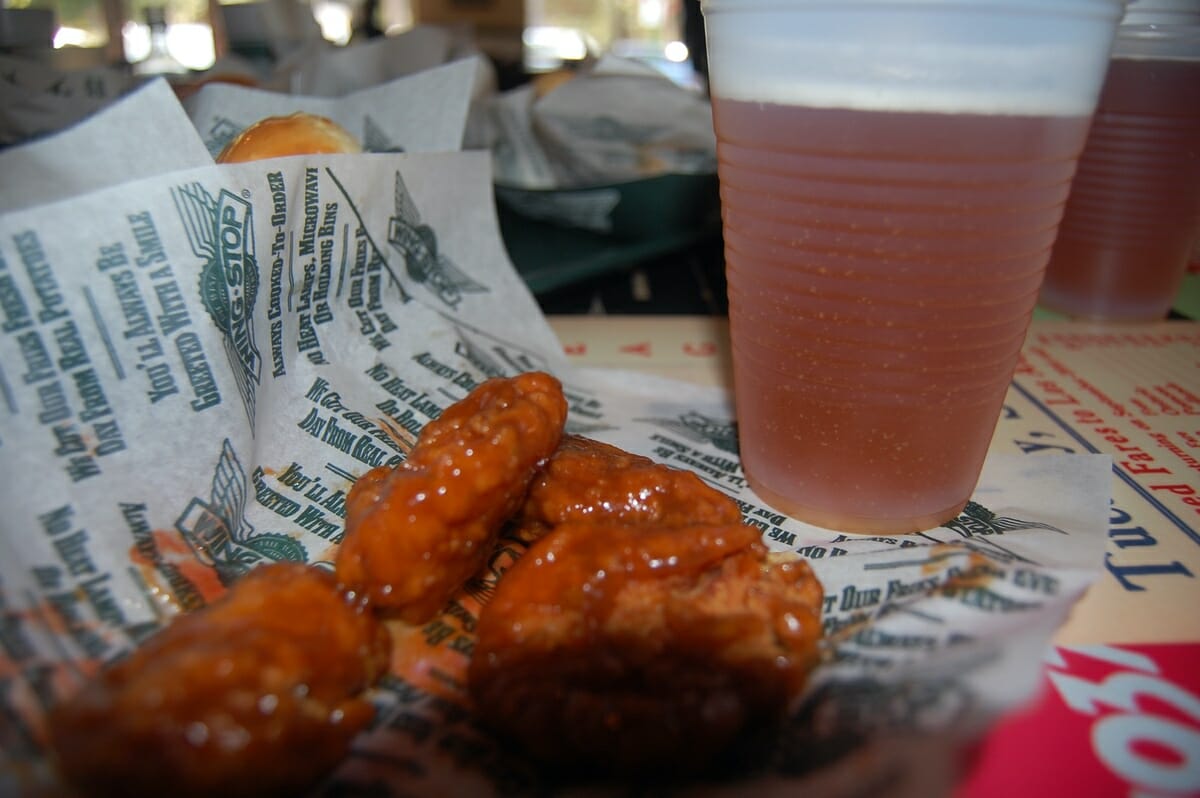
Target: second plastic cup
892,177
1134,212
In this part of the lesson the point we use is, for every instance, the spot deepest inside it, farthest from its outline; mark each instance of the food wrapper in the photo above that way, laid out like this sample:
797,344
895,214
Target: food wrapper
617,120
36,98
592,152
280,27
110,150
196,366
391,117
327,71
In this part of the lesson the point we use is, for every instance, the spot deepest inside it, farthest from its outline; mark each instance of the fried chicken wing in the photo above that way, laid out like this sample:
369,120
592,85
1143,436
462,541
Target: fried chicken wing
416,533
257,694
586,480
639,648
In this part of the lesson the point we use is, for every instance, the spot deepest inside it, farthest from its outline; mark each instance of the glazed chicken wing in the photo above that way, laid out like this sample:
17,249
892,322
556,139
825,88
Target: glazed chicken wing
589,481
258,694
416,533
639,648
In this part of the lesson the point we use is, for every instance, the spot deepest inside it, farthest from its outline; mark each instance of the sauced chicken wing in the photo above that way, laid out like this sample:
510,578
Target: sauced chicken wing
642,647
586,480
416,533
257,694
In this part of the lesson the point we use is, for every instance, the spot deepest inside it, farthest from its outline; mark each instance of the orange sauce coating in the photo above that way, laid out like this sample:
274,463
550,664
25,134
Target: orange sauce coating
587,480
643,647
221,700
416,533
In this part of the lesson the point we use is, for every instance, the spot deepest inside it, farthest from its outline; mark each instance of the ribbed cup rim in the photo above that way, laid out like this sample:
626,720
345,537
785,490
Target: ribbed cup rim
1082,8
1161,12
1159,29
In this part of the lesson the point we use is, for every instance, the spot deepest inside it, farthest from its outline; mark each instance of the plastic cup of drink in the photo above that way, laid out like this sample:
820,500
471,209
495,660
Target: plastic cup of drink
892,175
1132,217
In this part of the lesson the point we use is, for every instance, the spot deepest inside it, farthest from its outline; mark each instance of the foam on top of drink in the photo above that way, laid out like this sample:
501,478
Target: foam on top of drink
946,57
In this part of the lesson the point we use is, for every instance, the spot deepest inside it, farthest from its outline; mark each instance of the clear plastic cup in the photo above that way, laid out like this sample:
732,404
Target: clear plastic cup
1131,220
892,176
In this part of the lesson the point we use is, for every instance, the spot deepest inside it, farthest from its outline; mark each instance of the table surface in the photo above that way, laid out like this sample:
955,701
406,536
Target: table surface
1118,709
1129,391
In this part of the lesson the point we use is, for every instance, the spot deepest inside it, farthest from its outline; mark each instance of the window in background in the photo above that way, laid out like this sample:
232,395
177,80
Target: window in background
77,23
159,34
336,18
557,34
563,33
121,29
652,32
560,32
393,16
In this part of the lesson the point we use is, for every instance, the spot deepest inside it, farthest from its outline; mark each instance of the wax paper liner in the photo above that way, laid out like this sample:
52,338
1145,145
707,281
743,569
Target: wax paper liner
196,366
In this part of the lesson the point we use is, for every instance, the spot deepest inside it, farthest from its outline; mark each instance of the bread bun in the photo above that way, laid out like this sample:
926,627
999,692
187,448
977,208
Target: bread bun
298,134
187,89
547,82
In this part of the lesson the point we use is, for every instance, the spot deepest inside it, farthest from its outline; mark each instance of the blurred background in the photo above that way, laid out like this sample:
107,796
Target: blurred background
671,259
531,35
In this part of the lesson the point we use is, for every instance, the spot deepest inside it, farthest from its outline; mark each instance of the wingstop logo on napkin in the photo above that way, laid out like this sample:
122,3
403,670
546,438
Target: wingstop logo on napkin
221,231
417,243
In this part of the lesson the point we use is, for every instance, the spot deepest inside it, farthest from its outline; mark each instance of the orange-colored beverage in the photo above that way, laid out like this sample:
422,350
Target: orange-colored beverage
882,270
1132,217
